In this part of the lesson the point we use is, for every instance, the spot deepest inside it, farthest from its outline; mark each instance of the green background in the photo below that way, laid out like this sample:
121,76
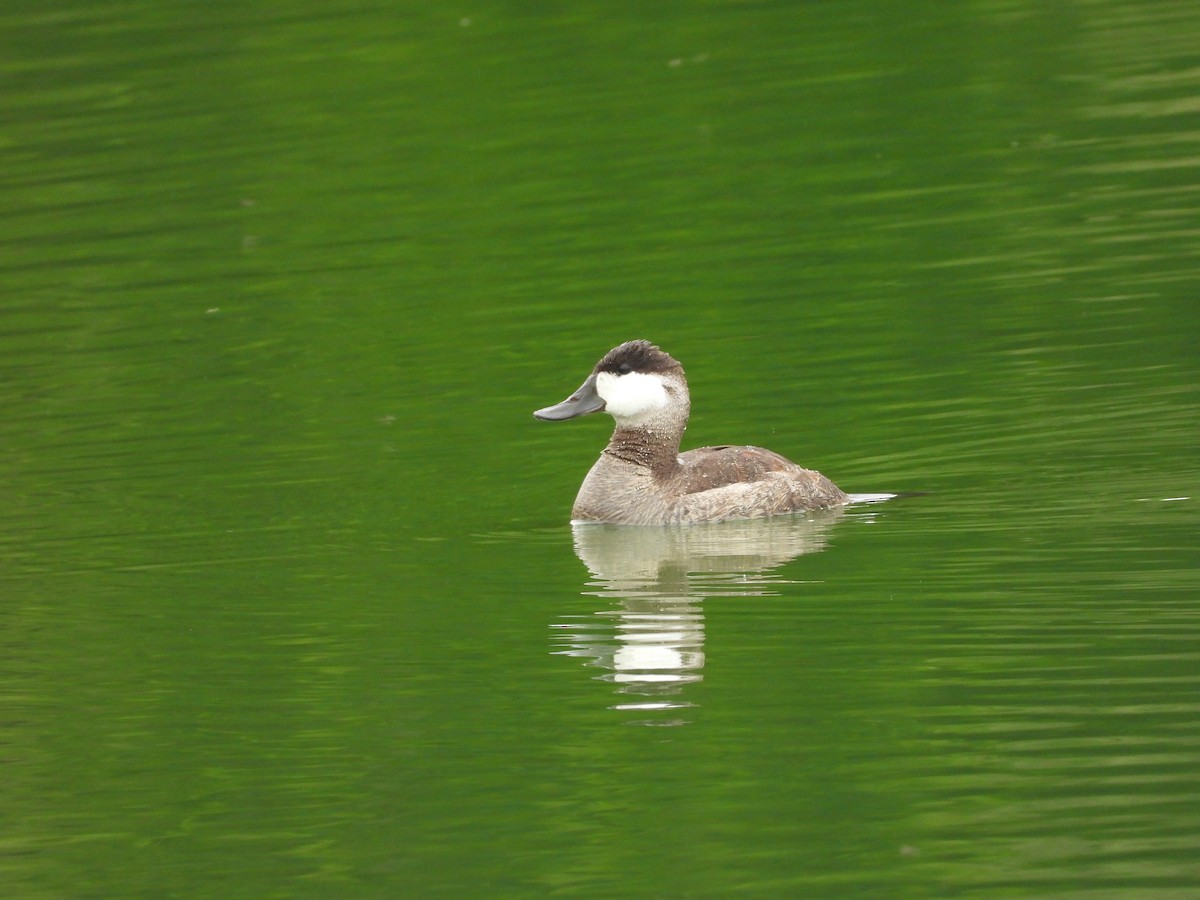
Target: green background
289,605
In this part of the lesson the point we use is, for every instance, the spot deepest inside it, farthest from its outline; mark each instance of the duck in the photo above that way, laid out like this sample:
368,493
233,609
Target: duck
641,477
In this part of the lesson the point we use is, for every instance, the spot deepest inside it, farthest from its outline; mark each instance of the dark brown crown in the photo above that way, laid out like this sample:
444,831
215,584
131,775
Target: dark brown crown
636,356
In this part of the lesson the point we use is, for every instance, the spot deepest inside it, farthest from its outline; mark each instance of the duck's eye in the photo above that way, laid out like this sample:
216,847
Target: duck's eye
624,369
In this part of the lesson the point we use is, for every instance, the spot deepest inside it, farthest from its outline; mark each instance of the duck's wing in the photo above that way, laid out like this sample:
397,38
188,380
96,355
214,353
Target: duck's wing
706,468
717,483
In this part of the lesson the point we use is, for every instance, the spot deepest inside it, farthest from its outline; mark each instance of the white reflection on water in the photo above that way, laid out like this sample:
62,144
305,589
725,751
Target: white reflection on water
649,635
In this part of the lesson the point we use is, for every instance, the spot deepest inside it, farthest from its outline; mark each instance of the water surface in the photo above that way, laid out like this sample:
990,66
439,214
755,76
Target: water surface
291,605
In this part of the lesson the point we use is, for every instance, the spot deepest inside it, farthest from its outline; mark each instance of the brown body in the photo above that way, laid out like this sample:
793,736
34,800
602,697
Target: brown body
641,478
708,484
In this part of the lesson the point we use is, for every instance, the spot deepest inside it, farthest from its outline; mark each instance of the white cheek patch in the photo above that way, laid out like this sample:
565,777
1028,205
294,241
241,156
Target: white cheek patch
630,396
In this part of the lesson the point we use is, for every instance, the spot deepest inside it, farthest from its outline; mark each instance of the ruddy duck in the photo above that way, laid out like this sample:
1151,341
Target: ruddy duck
641,477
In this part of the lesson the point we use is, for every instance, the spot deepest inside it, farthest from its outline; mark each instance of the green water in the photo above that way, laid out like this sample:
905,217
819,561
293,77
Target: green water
289,604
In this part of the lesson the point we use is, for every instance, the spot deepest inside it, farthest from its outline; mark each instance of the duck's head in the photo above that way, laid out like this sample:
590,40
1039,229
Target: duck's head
636,383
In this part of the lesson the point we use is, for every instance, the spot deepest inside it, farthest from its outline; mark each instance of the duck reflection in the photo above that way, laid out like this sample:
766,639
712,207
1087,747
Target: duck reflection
650,637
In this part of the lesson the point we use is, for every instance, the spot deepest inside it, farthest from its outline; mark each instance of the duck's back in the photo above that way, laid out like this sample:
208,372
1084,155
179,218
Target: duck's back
729,482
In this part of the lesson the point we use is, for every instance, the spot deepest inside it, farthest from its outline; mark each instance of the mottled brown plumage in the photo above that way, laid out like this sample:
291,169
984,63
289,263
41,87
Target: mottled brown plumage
641,477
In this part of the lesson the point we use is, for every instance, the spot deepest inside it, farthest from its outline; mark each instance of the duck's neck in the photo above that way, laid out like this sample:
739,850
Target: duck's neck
649,447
